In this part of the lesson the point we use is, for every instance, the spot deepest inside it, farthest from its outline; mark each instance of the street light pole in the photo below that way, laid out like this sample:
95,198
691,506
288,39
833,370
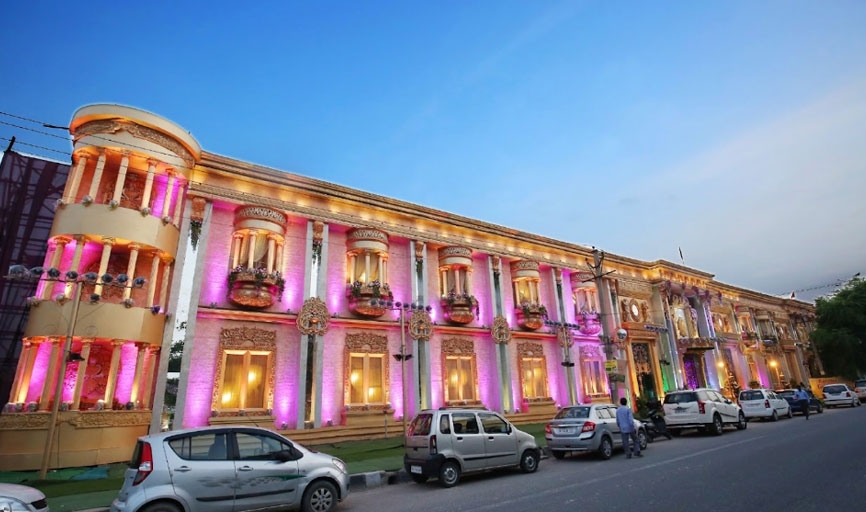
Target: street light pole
58,390
420,330
566,341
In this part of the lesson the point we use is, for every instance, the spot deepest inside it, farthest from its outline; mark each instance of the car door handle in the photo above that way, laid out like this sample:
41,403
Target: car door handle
245,468
490,438
459,438
183,469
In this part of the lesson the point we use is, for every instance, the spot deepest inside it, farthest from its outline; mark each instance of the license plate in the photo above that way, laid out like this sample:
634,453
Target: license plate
415,469
564,431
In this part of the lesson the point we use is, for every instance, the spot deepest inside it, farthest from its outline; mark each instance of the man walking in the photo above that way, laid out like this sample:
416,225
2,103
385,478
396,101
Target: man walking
801,396
625,422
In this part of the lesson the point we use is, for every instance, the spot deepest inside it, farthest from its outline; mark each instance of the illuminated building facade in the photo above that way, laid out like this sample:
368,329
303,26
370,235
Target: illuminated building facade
283,291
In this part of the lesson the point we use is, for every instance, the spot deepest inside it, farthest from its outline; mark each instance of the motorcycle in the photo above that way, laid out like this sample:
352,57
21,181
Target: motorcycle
655,426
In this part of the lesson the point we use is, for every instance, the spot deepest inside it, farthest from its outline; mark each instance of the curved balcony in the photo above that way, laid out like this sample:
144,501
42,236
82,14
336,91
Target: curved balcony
120,223
101,320
361,295
589,323
255,289
530,317
460,309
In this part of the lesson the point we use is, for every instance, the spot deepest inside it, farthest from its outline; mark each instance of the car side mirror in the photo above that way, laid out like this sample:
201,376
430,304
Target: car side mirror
728,401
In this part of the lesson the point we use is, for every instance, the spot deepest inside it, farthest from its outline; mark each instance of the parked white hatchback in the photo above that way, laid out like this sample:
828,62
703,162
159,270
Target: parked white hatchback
839,394
764,403
703,409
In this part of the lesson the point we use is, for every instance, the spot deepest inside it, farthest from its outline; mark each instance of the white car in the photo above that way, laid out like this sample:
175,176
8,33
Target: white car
20,497
704,409
839,394
860,389
764,403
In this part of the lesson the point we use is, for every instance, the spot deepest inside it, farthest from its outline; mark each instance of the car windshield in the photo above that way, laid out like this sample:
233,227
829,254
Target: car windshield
787,393
838,388
680,398
860,384
572,412
752,394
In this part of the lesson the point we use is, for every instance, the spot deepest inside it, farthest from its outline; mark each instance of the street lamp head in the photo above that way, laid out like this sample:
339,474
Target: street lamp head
17,272
398,304
122,279
107,278
94,298
53,273
138,282
429,308
90,277
36,272
621,334
72,275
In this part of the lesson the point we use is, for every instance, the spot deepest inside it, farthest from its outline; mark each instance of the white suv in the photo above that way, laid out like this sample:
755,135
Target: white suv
704,409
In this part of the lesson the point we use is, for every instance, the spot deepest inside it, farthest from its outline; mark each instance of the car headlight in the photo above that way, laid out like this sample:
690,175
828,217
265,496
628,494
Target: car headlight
12,505
339,465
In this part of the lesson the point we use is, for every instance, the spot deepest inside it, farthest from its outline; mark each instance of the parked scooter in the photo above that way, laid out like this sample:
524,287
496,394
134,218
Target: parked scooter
655,425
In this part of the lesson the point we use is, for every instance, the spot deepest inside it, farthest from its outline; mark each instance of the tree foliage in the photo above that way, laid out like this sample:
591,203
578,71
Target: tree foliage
840,336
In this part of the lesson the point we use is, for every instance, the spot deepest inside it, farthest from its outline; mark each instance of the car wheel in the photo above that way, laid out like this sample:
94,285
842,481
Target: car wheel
717,426
529,461
774,417
642,439
558,455
320,496
820,409
606,448
741,421
790,413
163,506
418,479
449,474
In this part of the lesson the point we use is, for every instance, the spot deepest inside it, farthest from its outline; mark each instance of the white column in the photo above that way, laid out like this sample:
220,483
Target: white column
97,175
166,275
271,252
59,246
80,240
130,269
367,267
148,183
82,373
178,206
458,288
72,185
107,243
351,276
169,193
139,367
251,249
237,242
154,274
121,177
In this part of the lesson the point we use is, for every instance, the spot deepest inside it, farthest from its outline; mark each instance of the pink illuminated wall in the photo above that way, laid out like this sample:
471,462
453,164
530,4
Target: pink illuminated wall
126,372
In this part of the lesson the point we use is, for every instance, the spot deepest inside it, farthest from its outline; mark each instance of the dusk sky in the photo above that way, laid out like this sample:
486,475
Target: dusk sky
735,130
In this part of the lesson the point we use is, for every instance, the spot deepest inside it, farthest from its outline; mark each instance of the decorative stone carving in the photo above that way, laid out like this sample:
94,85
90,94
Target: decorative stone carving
198,207
314,317
137,131
105,419
367,234
366,343
420,326
590,352
457,346
500,331
529,349
260,212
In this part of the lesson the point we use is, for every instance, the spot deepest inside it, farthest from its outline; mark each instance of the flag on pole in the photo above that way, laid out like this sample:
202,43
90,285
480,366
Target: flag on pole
681,255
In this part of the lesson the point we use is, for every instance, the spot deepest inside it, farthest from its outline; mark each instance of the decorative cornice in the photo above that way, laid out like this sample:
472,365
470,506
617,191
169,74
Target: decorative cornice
138,131
260,212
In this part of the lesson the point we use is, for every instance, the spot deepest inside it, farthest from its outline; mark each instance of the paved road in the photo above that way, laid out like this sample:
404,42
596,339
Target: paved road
791,466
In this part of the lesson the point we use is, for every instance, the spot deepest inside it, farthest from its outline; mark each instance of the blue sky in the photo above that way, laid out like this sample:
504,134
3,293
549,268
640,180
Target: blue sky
734,130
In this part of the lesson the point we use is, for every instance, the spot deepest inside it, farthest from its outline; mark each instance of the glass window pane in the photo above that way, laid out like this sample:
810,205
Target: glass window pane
374,381
232,375
256,382
356,380
453,373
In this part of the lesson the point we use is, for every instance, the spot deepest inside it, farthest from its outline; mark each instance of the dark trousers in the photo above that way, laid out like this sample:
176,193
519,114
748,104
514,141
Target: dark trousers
804,404
635,444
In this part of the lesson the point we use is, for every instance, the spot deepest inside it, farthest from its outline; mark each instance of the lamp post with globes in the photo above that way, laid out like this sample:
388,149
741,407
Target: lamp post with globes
418,330
75,282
